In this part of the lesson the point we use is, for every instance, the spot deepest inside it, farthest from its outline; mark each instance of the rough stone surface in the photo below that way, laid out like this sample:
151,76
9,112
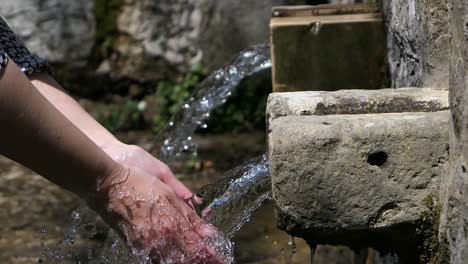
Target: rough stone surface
59,31
356,102
164,29
233,26
152,37
418,42
357,180
186,32
455,188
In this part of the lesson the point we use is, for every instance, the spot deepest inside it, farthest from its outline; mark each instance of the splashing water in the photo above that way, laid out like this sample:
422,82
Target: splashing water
177,137
248,189
243,196
83,225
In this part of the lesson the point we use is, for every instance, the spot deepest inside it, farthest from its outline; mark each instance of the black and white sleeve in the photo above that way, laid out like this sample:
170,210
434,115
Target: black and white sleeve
11,47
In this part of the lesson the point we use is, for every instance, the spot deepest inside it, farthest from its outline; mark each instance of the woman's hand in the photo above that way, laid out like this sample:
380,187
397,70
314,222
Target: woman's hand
134,156
152,218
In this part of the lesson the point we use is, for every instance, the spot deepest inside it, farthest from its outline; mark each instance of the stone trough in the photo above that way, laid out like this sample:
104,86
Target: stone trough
356,167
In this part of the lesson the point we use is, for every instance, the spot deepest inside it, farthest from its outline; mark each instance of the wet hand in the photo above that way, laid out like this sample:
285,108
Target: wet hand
130,155
155,222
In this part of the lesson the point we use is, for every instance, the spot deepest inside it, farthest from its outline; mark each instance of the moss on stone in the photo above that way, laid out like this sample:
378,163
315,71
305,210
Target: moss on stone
431,250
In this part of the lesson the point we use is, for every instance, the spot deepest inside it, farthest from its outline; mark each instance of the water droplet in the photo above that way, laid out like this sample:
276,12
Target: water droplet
189,138
186,106
204,126
171,124
315,28
75,215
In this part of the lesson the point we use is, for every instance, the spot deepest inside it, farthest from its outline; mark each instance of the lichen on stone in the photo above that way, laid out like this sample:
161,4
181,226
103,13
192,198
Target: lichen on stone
431,249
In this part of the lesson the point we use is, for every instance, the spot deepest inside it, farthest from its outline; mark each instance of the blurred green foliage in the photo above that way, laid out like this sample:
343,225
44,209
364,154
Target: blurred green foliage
121,118
245,110
171,95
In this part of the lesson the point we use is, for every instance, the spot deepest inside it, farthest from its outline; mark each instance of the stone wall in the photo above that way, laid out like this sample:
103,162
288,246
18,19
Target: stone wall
455,189
186,32
60,31
417,41
152,38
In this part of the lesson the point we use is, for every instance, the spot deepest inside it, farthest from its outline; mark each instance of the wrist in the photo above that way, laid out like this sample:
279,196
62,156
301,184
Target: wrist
98,196
115,149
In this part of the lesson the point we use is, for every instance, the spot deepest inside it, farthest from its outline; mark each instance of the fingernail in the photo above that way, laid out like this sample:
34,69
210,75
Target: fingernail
207,230
206,212
198,200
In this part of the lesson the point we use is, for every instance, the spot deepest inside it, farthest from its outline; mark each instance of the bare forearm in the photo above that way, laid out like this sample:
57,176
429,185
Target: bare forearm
37,135
57,96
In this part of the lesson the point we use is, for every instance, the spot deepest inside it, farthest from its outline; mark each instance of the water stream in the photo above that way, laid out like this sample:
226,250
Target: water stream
177,137
247,188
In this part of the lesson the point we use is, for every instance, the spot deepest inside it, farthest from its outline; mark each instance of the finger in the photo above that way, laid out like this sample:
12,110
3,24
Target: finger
199,229
181,190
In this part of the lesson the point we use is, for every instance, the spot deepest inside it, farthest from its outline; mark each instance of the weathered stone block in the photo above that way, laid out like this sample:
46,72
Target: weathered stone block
327,47
357,102
357,180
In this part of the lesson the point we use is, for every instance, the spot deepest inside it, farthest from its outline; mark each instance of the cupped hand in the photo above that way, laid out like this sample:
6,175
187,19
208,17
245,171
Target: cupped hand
130,155
156,222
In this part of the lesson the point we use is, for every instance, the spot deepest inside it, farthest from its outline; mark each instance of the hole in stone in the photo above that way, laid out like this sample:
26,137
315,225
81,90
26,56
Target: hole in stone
463,168
377,158
326,123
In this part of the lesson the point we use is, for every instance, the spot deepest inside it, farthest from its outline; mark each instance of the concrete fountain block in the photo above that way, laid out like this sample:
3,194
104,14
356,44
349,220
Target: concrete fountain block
356,179
355,167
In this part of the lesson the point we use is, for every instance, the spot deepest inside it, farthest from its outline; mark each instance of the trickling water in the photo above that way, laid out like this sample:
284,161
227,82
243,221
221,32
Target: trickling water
243,196
315,28
248,189
177,137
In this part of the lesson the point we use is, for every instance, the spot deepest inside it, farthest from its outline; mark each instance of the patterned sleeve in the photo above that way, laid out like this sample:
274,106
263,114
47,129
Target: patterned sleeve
3,59
12,47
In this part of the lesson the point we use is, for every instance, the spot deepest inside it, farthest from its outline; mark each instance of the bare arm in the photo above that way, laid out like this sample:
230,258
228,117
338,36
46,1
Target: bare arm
122,153
37,135
141,208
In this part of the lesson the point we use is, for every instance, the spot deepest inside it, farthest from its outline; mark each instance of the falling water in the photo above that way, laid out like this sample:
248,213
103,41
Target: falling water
249,187
177,137
246,191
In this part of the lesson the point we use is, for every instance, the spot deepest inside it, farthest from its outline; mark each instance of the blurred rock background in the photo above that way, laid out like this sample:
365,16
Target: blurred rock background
114,54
